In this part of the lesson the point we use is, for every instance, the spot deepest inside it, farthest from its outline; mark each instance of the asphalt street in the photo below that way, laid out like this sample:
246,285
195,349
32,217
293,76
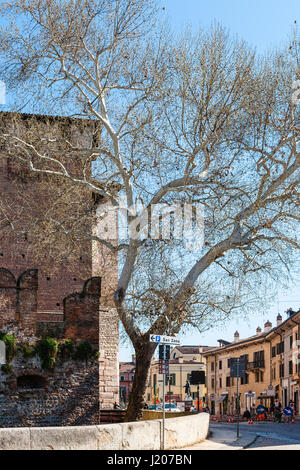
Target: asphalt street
258,436
271,436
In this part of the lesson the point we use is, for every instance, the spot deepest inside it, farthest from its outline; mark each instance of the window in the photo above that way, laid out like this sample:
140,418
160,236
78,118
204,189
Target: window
291,342
274,373
258,358
245,380
280,348
220,382
290,367
220,364
213,383
261,376
122,378
281,370
132,378
228,363
256,376
273,351
171,379
228,381
212,366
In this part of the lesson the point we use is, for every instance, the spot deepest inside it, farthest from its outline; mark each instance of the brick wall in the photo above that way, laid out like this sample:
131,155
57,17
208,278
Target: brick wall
38,298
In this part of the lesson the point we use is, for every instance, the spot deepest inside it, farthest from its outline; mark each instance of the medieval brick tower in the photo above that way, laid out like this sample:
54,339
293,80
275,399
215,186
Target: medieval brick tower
68,300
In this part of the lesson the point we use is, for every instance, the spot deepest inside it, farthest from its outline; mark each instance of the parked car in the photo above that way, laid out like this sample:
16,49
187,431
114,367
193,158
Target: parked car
168,407
152,407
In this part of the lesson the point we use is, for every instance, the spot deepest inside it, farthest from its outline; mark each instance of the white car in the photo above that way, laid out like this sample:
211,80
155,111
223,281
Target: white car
168,407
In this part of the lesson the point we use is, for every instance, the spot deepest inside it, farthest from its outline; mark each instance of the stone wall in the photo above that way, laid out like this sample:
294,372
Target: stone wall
67,397
52,293
145,435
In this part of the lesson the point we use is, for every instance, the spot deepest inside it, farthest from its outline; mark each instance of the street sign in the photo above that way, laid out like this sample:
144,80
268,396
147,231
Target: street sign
172,340
288,411
163,366
237,368
260,410
164,351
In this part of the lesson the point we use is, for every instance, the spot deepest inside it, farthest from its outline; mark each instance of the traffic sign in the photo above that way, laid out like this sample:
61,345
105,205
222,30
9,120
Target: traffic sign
260,410
288,411
237,368
172,340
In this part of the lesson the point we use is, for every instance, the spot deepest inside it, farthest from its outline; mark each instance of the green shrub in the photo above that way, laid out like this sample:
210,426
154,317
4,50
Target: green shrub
28,350
66,349
85,351
7,368
47,350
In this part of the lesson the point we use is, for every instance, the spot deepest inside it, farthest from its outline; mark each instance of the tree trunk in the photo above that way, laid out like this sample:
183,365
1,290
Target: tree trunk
144,351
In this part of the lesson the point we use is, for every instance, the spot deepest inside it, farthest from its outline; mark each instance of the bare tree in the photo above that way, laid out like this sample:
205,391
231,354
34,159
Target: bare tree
199,119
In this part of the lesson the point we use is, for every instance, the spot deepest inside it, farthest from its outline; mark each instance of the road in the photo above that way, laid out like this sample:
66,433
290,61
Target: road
272,436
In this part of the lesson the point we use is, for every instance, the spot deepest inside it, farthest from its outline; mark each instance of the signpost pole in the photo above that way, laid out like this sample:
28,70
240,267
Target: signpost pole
164,410
164,369
238,398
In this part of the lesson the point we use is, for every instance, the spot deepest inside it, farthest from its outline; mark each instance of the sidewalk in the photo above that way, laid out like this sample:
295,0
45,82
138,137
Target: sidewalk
225,440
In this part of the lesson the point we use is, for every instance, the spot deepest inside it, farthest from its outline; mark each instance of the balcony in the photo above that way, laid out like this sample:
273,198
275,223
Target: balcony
255,365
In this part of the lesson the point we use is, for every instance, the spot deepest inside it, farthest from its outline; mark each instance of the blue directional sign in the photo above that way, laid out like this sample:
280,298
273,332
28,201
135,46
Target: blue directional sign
172,340
260,410
288,411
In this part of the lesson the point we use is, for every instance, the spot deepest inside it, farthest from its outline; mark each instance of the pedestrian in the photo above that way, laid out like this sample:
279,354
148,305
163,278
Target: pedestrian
247,414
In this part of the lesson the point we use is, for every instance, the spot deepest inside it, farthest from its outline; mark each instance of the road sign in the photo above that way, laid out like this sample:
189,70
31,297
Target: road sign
237,369
288,411
163,367
172,340
260,410
164,351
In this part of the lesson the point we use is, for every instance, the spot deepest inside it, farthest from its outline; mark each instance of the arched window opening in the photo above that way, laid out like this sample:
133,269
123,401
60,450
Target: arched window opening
25,382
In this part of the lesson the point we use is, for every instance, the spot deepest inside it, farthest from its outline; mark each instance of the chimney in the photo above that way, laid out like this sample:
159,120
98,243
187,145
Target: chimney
279,319
258,330
268,326
236,336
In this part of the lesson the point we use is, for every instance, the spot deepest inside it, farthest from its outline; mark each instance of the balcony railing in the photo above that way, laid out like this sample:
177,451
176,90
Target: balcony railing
256,365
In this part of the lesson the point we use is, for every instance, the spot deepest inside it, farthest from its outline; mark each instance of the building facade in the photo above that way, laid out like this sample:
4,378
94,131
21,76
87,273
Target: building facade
127,371
183,360
271,369
71,301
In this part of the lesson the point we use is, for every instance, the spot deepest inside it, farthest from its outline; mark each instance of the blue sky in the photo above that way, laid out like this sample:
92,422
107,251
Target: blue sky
264,24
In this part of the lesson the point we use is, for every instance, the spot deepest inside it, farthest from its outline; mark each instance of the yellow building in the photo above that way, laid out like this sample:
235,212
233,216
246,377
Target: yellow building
271,375
284,366
183,360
